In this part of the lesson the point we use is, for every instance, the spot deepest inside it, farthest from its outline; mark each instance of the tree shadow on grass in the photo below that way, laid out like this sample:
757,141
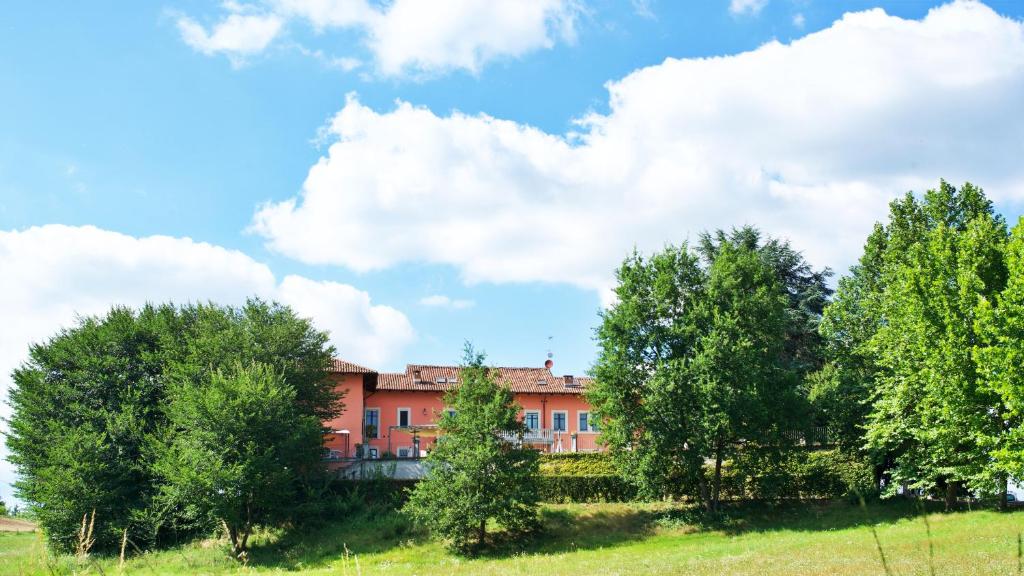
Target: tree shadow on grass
572,528
366,533
743,517
583,528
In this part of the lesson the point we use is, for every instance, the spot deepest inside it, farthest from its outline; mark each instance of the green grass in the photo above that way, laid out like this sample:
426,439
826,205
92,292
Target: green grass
798,539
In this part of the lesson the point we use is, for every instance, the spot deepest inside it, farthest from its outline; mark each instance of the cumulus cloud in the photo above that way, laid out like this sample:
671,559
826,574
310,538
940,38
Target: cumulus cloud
808,140
404,36
752,7
53,273
237,36
442,301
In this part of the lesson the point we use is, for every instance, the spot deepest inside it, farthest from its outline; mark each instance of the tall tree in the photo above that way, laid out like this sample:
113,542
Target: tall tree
807,290
841,390
694,365
83,405
241,445
930,407
1000,357
87,402
479,470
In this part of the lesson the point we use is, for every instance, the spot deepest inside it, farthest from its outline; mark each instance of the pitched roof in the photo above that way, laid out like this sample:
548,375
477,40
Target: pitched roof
342,367
444,378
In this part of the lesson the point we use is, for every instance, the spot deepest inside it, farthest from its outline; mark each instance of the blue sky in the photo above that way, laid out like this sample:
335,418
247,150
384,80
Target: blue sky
480,172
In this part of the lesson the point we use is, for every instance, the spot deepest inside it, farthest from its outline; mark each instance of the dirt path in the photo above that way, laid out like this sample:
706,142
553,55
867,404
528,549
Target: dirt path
16,525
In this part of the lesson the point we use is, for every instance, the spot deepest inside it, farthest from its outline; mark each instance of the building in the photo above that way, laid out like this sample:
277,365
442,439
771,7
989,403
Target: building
395,414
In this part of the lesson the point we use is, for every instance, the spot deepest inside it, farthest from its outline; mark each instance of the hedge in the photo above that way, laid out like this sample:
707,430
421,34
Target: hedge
598,488
577,464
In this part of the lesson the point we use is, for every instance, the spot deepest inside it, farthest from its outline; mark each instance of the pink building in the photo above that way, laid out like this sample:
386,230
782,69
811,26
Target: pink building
397,413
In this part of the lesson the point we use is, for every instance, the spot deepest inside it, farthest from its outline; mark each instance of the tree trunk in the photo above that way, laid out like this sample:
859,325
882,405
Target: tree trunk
482,532
717,489
1003,488
705,491
952,486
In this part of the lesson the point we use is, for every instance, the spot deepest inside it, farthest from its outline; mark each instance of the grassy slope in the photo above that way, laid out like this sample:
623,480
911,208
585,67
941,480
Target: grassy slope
611,539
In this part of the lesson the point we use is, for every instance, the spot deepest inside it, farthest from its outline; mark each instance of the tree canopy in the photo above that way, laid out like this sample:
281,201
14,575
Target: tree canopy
90,407
696,360
479,470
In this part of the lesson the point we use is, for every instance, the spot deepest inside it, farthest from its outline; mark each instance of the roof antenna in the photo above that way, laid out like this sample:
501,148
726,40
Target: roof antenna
549,362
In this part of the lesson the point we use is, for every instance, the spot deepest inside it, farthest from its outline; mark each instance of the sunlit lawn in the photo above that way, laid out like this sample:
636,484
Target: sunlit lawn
831,538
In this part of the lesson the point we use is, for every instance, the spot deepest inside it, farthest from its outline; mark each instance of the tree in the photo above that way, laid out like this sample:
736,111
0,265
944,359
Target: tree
1000,357
693,365
479,470
88,407
930,408
806,289
241,445
83,405
841,390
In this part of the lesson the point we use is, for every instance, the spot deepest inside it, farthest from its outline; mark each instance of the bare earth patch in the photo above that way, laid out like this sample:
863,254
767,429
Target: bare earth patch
16,525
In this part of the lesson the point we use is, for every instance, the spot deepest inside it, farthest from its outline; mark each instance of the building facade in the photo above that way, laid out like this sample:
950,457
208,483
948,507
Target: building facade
395,414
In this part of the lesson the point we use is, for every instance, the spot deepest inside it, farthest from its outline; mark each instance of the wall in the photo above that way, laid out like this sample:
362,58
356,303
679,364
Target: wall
351,418
425,408
571,404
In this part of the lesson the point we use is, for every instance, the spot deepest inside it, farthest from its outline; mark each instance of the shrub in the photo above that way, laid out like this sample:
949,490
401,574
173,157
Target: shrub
577,464
596,488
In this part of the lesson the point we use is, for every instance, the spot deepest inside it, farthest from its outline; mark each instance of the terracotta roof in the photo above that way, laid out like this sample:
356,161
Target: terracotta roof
342,367
444,378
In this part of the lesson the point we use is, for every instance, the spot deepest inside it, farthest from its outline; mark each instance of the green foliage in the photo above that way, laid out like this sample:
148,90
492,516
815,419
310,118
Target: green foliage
697,361
476,473
931,409
801,474
582,477
577,464
1000,357
241,445
585,488
89,408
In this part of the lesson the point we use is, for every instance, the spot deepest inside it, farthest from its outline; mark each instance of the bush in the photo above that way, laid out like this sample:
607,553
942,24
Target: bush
597,488
577,464
817,474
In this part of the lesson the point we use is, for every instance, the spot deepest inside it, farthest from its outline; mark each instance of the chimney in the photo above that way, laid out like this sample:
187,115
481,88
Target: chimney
415,375
568,380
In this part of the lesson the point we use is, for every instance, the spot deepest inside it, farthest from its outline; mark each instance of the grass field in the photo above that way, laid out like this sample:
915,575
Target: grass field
833,538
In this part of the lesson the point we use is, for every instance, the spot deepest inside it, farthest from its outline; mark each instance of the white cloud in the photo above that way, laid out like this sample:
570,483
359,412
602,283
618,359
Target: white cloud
404,36
807,140
442,301
798,20
53,273
752,7
237,36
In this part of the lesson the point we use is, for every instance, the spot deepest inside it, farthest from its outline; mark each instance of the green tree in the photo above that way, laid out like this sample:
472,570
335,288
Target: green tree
694,366
83,405
930,408
1000,357
479,470
840,392
241,445
88,407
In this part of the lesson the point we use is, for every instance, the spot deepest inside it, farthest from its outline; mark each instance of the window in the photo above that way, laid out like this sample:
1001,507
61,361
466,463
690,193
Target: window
404,452
404,417
532,419
450,412
559,420
373,453
587,424
372,422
